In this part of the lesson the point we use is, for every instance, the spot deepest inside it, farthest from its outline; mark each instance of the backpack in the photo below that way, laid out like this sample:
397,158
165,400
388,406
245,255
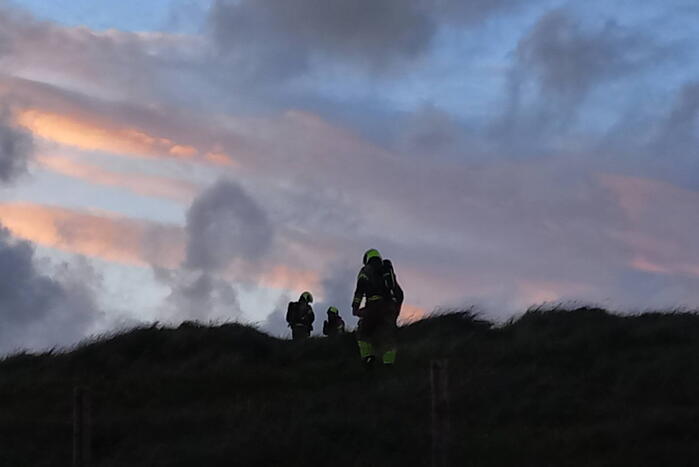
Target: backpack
389,281
295,314
388,275
334,325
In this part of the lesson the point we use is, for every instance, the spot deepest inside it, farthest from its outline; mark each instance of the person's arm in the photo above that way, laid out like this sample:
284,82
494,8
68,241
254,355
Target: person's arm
288,313
398,293
325,328
359,291
311,316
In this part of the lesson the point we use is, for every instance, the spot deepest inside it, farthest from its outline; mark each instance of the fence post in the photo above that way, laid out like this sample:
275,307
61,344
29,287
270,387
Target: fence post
81,427
439,382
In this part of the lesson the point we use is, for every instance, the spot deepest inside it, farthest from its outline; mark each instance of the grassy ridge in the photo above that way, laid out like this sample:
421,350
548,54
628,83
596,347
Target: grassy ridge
580,388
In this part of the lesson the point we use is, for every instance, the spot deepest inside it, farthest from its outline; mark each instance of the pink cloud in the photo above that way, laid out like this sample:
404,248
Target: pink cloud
112,238
660,224
134,242
146,185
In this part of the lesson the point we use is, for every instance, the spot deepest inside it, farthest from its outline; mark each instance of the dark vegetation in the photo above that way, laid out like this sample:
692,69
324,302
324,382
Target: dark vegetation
553,388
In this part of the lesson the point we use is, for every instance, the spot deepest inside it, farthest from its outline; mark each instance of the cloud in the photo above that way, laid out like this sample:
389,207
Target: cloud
472,11
199,295
113,63
499,219
223,224
123,128
124,240
460,231
196,293
104,136
285,37
118,239
430,131
676,136
37,310
245,42
565,61
284,276
273,39
650,206
16,148
684,114
24,291
658,141
311,193
142,184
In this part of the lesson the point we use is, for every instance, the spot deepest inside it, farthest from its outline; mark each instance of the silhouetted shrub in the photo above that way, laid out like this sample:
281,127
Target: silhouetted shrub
578,387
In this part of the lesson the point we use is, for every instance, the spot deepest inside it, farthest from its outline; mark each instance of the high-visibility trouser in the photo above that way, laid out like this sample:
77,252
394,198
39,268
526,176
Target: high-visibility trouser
376,331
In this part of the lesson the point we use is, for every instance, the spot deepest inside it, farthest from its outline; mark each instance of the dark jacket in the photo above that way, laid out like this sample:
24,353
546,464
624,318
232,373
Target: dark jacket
372,284
300,313
334,325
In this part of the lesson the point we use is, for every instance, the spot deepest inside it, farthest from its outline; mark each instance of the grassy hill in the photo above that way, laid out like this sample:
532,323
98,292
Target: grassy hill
553,388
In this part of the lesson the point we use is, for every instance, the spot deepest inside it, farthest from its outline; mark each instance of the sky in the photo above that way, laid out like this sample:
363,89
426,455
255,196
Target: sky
209,160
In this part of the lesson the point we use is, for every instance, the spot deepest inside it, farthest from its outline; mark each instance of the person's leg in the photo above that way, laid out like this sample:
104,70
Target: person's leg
299,333
389,356
366,353
365,330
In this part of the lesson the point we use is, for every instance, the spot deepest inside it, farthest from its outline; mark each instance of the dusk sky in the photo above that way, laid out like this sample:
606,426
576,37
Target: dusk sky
209,160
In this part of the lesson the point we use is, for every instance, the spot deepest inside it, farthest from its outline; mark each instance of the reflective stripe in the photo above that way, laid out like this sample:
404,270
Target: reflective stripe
357,300
389,279
363,276
365,349
389,357
374,298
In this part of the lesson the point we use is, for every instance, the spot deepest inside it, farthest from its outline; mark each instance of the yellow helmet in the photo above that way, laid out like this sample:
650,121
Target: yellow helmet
371,254
307,297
